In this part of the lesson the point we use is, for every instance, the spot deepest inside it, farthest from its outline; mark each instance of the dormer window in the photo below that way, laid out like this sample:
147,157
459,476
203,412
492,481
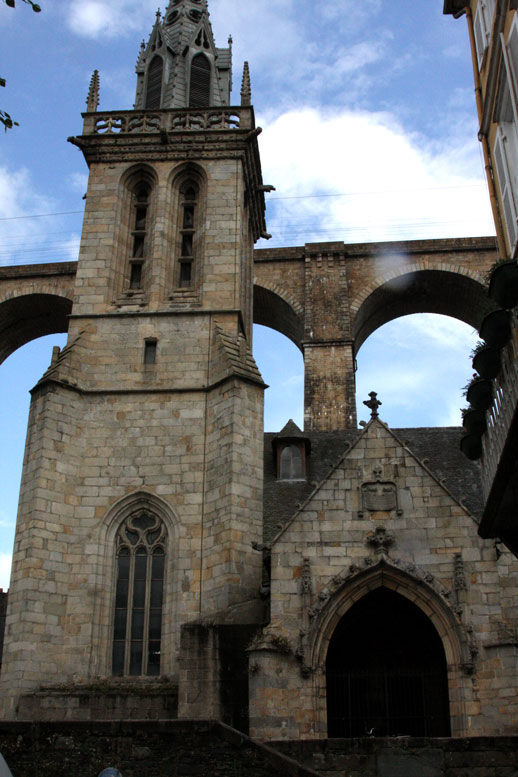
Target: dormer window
199,94
291,450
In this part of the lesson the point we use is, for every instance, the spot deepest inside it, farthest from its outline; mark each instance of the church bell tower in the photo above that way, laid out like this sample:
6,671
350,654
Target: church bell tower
142,485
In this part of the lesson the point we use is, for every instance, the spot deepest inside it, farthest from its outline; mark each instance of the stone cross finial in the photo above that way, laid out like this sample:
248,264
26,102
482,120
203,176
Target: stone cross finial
373,403
92,101
246,89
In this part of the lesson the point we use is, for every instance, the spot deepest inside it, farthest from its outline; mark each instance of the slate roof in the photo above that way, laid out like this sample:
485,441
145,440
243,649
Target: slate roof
437,448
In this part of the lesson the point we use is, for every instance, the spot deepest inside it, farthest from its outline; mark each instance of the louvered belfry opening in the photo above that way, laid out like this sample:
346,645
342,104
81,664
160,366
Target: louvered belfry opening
386,671
154,83
199,95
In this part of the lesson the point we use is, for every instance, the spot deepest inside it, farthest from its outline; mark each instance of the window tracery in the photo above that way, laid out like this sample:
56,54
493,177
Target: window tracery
141,545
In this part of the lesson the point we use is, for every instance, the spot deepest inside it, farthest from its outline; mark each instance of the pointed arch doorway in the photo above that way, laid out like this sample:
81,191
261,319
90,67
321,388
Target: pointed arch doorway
386,671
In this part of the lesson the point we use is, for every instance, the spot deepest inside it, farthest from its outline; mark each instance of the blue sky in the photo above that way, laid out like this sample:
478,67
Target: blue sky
369,101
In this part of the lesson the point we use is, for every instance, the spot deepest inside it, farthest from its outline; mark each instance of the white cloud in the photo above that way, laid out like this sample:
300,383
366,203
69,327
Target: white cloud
101,19
394,184
418,364
26,240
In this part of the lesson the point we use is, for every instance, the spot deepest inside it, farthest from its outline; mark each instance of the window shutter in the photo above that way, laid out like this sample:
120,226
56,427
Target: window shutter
199,96
154,83
504,181
512,51
490,14
480,33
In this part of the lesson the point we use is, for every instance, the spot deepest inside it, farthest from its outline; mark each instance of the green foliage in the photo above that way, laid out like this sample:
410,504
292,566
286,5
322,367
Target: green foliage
499,262
7,121
5,118
35,7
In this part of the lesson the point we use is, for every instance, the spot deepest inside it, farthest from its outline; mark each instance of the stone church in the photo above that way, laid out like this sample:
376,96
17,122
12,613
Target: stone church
171,560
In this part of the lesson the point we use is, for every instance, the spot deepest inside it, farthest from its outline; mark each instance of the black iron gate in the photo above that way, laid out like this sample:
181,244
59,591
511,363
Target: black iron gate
387,703
386,671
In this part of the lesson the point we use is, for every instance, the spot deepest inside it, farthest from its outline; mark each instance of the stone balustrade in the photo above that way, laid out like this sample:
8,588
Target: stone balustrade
177,120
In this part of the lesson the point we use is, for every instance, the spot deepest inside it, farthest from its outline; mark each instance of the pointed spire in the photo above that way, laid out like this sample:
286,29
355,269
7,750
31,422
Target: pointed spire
246,88
175,3
92,101
142,54
178,37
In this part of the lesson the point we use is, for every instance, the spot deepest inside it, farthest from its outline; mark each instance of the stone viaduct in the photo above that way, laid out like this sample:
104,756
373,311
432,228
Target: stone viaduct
326,297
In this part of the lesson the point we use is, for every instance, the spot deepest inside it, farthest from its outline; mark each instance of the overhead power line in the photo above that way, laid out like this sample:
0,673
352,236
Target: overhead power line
381,191
40,215
293,197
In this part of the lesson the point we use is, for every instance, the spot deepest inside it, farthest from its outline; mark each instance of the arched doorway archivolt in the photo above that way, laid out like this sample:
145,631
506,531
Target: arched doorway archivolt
426,594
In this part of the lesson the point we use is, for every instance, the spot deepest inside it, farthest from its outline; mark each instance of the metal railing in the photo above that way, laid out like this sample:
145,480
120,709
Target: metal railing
499,417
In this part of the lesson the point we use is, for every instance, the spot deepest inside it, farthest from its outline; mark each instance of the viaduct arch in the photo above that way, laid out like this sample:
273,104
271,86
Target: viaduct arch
327,298
337,295
35,300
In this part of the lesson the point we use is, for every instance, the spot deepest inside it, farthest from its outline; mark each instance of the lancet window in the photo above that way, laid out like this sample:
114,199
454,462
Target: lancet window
189,203
139,234
199,93
141,546
154,83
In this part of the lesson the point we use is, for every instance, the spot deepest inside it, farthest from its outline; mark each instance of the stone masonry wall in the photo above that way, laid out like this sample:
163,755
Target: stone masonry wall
140,749
482,756
337,548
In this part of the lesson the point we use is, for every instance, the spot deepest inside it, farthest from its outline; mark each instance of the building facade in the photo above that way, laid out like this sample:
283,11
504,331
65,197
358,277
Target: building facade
325,582
493,30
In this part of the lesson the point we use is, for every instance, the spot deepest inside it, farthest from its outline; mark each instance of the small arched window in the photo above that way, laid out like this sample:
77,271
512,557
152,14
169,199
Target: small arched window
291,463
141,544
189,202
154,83
199,93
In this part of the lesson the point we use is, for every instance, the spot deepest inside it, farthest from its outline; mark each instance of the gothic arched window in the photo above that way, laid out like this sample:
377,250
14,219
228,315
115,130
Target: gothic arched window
199,93
141,545
189,201
154,83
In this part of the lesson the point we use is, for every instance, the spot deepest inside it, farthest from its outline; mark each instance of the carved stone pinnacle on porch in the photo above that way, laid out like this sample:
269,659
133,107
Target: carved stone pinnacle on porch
373,403
380,540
